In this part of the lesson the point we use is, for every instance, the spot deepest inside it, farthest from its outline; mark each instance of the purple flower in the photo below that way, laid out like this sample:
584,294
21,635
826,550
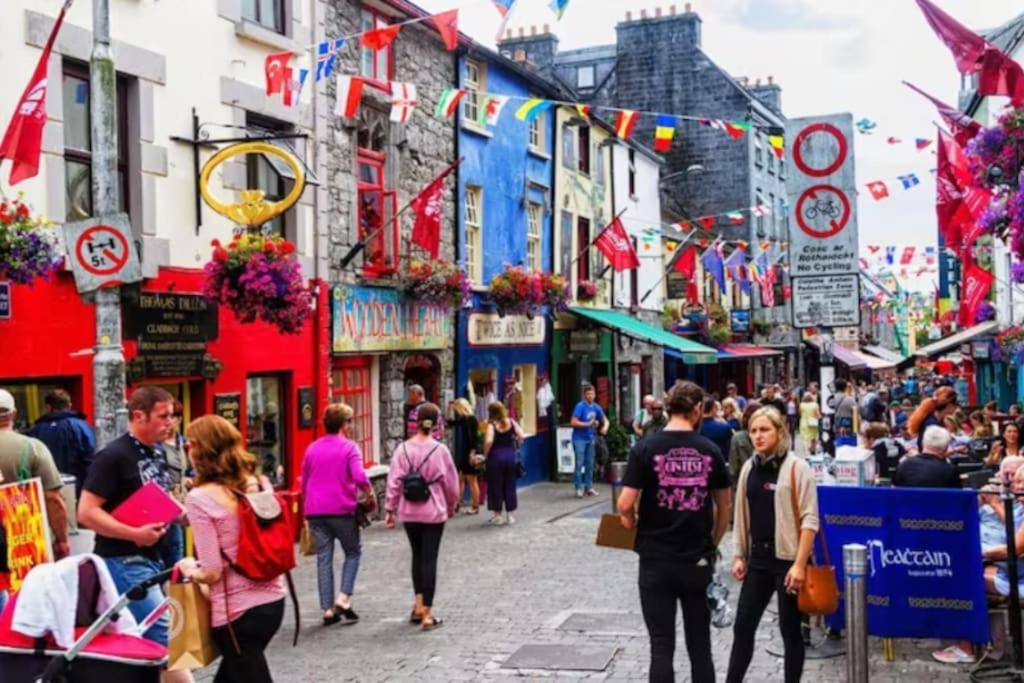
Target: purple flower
1017,271
986,311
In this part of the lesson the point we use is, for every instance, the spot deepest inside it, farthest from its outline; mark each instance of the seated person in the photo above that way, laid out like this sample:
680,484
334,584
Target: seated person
931,468
888,451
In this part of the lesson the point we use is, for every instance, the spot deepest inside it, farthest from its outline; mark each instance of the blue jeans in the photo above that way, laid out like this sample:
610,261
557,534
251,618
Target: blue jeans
172,546
128,570
583,473
325,531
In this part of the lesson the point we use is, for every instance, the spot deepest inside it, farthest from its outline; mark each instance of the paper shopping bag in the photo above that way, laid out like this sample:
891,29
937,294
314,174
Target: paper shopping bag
307,546
611,533
191,643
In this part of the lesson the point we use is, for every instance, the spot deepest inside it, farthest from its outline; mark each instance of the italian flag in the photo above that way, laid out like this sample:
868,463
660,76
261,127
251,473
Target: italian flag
735,217
449,103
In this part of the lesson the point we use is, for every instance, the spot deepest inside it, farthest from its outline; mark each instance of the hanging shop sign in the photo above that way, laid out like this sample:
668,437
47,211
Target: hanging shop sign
829,301
5,300
102,252
382,319
171,317
583,341
228,406
490,329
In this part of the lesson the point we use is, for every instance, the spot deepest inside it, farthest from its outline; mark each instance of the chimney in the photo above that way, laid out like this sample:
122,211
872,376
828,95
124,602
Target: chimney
657,12
547,28
770,93
771,80
536,50
689,8
533,30
683,30
643,14
629,16
672,10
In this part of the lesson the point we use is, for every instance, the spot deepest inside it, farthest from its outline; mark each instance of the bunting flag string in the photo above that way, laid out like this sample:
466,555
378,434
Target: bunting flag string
558,7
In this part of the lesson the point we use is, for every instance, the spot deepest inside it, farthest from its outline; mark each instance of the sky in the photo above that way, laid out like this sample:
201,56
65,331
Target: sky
829,56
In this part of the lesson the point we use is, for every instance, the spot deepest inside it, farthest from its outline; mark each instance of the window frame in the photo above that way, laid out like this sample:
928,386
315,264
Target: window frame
583,229
632,172
473,87
385,266
534,230
585,68
569,159
583,150
535,135
279,12
280,224
341,391
380,20
474,247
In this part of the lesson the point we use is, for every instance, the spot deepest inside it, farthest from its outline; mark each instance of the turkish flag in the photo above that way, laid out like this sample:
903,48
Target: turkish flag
614,242
447,24
23,140
428,205
977,283
380,38
278,74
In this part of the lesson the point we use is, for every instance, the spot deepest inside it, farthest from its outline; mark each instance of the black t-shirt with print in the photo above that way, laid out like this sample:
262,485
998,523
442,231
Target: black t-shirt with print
676,473
118,470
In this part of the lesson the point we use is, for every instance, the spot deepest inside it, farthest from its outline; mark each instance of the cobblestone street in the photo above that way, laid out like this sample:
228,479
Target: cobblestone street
539,582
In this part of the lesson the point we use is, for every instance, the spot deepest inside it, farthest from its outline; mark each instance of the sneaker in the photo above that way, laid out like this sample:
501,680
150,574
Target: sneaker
591,492
510,520
496,521
348,615
579,494
953,655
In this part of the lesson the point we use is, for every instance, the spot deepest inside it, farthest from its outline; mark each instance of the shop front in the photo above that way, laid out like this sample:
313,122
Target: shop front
382,343
506,359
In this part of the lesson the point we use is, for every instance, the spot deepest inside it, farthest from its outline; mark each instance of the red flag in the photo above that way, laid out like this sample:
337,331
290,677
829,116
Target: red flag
380,38
686,265
977,283
278,74
614,242
447,24
707,222
878,190
428,205
975,200
1001,75
963,126
966,45
908,256
23,140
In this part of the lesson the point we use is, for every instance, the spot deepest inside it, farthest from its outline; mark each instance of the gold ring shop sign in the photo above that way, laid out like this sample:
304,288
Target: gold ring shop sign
254,210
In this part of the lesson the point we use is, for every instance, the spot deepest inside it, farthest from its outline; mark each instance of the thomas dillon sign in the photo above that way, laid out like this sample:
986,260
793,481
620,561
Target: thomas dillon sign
489,329
382,319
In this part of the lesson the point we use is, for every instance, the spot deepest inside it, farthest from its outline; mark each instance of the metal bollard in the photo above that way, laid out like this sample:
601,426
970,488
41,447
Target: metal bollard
618,471
855,564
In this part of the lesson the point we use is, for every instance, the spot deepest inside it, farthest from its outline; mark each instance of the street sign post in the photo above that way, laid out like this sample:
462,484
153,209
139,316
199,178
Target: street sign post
101,252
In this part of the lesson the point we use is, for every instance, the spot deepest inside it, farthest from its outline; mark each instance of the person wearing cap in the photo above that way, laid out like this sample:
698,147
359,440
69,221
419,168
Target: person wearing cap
23,458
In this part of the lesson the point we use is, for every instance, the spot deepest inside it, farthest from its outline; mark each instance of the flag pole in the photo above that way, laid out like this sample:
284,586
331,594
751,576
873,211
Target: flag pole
591,243
670,266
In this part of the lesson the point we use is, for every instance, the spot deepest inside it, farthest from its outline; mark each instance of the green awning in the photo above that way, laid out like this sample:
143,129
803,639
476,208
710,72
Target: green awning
689,352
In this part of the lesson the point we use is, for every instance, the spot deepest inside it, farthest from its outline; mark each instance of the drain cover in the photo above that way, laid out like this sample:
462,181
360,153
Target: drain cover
620,623
566,657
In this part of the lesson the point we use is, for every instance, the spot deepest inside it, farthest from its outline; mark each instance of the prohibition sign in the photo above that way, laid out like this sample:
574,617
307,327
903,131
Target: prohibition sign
116,253
802,136
815,207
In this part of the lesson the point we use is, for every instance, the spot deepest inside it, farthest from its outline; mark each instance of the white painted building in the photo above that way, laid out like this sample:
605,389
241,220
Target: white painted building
636,175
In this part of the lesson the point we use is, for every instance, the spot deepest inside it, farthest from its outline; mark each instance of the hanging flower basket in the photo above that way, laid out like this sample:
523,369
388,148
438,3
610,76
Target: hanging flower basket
554,292
586,291
28,250
437,283
1010,344
515,292
258,277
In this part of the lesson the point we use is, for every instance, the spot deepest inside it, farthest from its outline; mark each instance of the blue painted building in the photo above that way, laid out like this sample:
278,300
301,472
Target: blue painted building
505,217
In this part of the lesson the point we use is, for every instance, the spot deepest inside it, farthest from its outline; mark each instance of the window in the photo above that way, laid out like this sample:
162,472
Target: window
264,431
568,147
376,65
565,245
474,85
759,218
634,280
78,143
378,227
583,147
266,173
782,168
266,13
474,234
585,76
533,223
582,240
350,384
774,219
30,397
758,152
537,134
598,157
771,163
632,173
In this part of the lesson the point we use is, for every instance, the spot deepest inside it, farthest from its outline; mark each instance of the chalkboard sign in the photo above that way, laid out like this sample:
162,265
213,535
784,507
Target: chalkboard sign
228,406
307,407
675,284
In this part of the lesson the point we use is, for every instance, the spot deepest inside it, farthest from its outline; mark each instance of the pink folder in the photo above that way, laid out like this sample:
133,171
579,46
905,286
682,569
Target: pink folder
148,505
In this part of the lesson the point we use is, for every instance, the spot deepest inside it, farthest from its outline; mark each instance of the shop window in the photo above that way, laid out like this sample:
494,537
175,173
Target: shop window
484,382
376,65
537,134
582,240
351,385
268,173
533,223
475,84
30,397
474,234
583,147
522,400
378,225
264,431
78,142
266,13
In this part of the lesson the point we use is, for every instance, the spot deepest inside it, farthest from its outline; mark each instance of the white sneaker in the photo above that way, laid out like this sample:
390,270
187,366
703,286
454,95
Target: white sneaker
953,655
579,493
510,520
496,521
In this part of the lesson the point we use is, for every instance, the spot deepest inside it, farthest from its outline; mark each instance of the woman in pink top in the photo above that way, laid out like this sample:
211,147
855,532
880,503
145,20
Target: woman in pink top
253,609
423,521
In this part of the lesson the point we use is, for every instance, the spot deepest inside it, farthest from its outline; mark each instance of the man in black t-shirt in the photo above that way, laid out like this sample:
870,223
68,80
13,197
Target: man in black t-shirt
683,486
126,464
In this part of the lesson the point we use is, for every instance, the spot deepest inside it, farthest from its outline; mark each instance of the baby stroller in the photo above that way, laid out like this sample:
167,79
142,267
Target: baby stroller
95,656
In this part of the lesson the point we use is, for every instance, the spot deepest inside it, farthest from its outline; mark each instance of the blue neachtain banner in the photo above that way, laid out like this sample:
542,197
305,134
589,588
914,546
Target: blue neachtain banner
924,559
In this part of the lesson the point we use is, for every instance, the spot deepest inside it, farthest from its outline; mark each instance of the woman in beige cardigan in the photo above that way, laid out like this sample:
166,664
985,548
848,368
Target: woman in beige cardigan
771,546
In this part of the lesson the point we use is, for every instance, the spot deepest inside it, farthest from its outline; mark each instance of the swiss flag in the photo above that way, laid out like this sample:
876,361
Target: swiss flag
23,140
614,242
878,190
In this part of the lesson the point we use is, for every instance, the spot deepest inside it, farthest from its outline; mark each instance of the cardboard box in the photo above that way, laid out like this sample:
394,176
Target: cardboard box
854,466
611,533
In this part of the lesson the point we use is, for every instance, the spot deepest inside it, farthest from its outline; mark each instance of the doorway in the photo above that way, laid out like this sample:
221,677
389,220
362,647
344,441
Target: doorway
426,372
265,434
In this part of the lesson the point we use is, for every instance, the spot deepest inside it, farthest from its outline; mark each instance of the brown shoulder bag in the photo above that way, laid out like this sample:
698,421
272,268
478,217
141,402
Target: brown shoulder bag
819,596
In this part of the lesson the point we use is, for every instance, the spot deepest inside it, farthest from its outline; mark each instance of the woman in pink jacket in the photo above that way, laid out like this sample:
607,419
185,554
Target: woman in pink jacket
420,463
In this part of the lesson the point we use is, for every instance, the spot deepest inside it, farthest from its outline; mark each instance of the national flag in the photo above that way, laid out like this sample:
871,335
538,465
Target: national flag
735,217
558,7
890,255
736,129
929,255
429,206
760,210
873,249
778,145
706,222
326,55
921,143
490,109
963,127
617,246
277,71
403,101
865,126
686,265
736,266
448,103
584,110
533,108
664,132
447,24
350,96
893,141
625,122
503,6
23,140
380,38
878,190
714,265
293,92
909,180
908,256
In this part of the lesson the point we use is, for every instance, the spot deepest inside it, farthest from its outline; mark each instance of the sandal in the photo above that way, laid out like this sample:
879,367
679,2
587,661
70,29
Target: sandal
434,622
415,617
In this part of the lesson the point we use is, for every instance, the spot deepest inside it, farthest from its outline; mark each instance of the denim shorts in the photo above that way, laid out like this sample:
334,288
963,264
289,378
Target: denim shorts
129,570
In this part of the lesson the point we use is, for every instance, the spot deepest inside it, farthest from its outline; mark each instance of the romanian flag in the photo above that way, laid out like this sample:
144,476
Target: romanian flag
532,109
663,134
778,144
625,122
735,217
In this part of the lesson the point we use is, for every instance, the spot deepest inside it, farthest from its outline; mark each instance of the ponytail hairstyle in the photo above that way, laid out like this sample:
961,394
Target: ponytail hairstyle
426,417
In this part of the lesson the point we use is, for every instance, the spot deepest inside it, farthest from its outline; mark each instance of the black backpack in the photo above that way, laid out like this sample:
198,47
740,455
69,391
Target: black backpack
415,488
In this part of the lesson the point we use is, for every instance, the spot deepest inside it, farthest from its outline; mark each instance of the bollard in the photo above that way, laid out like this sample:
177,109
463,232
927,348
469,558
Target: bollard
618,471
855,564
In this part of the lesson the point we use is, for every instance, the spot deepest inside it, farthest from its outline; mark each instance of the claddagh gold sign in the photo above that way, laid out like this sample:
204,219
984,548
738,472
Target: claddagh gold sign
254,210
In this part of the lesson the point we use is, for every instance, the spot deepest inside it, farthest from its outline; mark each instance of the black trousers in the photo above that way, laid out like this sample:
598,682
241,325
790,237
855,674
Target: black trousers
764,578
662,584
425,541
254,630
